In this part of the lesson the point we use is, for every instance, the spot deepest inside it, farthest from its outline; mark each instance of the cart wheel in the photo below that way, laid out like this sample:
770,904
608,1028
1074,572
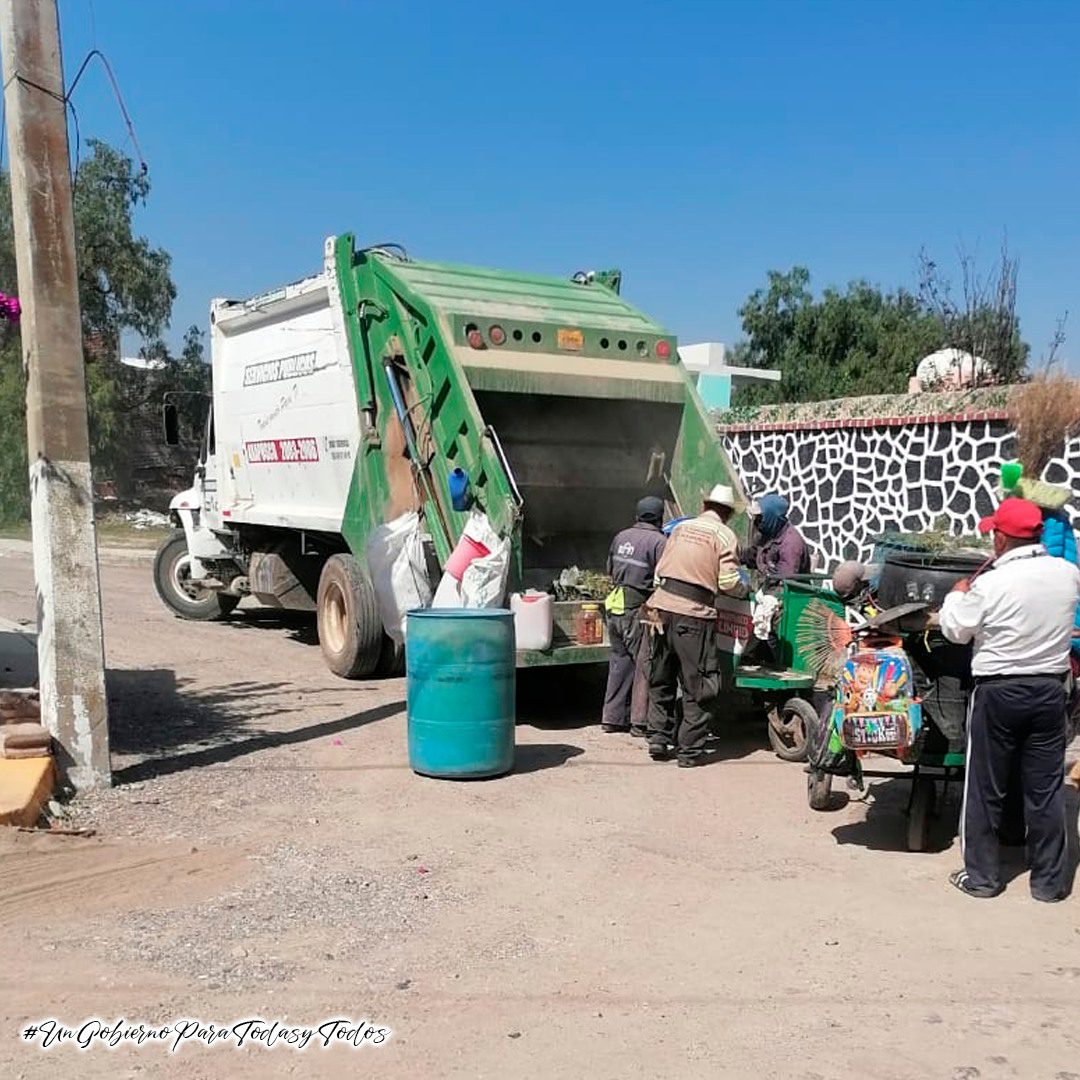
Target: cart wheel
818,789
923,796
789,729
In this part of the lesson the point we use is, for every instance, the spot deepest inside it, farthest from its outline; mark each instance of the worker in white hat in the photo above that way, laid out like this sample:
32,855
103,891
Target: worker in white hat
700,560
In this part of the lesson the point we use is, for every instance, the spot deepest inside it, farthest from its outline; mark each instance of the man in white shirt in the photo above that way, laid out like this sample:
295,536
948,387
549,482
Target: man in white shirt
1020,617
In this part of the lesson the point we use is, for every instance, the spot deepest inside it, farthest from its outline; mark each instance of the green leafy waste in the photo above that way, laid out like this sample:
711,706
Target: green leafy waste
575,584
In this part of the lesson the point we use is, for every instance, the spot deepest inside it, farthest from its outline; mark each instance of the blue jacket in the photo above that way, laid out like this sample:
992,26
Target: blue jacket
1059,539
1057,536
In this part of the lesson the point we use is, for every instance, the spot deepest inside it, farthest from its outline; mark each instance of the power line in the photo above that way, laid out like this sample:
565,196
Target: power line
70,104
116,92
78,148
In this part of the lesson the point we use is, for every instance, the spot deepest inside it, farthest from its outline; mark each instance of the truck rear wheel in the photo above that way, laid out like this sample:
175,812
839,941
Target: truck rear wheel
172,578
350,630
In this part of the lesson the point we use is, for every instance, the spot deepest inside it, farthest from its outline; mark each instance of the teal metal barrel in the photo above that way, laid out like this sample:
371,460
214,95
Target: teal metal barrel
460,692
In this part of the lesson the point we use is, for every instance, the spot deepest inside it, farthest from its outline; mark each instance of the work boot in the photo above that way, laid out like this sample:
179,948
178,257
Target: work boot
659,751
611,728
639,733
691,761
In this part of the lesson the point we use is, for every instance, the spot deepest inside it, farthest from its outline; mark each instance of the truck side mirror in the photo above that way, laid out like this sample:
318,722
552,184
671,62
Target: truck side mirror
171,418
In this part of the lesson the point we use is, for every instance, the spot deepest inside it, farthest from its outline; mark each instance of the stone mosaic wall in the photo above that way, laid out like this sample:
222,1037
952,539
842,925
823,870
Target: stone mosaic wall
852,479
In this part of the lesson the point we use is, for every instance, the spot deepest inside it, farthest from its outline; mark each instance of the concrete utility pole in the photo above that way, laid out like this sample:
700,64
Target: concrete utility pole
71,660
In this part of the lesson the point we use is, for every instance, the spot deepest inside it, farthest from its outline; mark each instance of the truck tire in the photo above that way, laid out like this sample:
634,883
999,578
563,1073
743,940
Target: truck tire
350,630
172,579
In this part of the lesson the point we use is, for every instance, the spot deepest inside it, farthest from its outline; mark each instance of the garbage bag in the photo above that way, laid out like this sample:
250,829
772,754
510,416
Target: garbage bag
483,585
395,555
483,581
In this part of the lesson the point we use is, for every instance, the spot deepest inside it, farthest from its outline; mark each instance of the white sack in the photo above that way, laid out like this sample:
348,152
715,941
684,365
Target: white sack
395,555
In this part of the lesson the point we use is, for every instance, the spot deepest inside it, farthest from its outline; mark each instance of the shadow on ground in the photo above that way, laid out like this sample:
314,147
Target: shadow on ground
171,725
532,757
886,822
885,826
299,626
561,697
557,698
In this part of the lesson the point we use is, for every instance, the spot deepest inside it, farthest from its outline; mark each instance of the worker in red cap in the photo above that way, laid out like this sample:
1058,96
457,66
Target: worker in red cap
1020,618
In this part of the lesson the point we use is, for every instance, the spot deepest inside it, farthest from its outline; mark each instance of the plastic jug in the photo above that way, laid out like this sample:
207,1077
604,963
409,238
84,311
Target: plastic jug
534,614
458,484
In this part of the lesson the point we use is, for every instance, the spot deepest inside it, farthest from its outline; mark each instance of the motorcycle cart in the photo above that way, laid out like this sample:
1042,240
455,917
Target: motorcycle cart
907,701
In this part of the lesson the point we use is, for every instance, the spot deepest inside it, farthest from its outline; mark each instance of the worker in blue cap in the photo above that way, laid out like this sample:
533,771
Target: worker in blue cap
632,565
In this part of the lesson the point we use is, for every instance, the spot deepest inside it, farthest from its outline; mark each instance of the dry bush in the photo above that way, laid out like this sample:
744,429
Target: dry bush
1044,413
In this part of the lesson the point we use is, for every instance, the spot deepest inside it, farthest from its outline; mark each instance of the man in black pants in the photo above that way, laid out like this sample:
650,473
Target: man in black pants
699,561
1020,617
632,566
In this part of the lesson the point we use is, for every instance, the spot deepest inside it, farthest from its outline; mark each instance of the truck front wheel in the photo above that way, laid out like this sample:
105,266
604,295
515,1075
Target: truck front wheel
350,630
172,578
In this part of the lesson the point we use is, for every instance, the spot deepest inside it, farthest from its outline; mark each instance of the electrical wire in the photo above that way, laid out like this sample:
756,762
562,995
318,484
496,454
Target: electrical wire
78,148
68,103
116,93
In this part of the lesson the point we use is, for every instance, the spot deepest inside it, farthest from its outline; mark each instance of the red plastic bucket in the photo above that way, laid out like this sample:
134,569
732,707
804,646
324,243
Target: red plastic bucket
467,551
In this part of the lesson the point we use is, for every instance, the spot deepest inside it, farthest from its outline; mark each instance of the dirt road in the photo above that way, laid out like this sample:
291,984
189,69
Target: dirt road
268,853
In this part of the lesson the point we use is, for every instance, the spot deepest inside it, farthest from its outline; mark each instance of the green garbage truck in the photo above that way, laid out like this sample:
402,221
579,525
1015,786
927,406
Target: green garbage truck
357,395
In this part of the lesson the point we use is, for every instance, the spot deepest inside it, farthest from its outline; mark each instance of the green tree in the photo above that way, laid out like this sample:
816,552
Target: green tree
866,341
860,341
125,287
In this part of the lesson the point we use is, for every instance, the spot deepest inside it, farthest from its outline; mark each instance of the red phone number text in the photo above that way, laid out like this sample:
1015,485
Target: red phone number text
278,451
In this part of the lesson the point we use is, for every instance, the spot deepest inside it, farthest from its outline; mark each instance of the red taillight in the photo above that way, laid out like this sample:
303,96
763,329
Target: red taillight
663,350
496,335
475,339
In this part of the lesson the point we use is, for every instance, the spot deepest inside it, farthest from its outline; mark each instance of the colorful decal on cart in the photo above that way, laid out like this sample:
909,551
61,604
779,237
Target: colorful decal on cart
282,451
875,704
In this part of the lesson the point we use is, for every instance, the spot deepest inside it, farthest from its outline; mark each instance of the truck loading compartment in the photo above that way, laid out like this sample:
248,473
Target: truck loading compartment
580,464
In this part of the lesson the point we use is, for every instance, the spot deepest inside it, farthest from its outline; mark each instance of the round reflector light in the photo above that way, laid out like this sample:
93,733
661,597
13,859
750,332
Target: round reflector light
496,335
663,349
475,339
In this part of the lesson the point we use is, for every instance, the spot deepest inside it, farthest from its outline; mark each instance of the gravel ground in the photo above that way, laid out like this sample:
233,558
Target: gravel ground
345,913
266,852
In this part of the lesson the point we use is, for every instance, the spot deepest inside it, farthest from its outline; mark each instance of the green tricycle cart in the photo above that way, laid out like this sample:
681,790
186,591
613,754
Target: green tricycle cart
787,687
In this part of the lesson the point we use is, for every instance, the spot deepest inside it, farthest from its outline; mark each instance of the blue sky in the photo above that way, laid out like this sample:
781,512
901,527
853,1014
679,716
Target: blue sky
695,145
